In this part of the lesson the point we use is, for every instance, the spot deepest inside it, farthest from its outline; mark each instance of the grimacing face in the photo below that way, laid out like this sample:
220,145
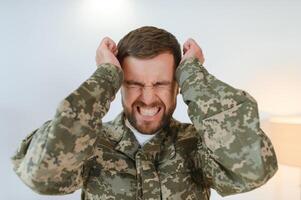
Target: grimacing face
149,91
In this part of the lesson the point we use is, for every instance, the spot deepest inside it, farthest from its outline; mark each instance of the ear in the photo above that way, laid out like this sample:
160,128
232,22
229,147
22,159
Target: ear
121,90
177,89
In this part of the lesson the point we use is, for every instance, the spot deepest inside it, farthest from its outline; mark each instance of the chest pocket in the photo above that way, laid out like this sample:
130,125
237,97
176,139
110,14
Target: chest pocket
112,175
178,176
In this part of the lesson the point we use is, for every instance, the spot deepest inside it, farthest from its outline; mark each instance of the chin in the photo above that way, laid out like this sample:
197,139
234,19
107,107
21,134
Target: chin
145,126
148,123
148,130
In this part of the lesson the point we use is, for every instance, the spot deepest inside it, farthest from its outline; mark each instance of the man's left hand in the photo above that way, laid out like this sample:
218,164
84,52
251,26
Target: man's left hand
192,49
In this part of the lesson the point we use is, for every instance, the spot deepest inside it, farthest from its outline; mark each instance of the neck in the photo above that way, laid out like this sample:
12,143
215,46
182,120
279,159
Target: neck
141,137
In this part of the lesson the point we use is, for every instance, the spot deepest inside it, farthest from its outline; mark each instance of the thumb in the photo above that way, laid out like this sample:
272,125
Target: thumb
186,46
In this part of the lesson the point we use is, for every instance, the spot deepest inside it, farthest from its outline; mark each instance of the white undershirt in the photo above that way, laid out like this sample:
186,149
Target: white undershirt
141,138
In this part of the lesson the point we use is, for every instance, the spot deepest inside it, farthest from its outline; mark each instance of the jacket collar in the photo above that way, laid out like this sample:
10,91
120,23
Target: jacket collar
159,148
126,140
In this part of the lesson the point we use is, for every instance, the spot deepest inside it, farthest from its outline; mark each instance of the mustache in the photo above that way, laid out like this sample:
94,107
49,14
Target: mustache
154,104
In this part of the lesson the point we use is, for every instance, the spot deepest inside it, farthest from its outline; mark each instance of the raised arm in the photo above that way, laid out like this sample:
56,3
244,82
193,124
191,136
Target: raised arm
234,153
51,159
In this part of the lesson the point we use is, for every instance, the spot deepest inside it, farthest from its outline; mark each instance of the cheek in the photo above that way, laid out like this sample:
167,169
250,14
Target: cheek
128,98
168,98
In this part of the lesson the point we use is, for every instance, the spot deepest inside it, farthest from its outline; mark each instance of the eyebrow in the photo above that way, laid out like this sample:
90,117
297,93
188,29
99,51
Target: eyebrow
132,82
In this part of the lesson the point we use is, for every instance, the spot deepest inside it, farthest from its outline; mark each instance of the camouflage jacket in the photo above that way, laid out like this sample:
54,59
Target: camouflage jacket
224,148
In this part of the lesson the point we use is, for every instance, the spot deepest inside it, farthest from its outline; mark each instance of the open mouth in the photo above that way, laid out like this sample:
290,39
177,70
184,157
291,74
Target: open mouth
148,113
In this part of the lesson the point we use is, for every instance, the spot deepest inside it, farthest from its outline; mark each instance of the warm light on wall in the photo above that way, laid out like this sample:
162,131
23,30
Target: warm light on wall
276,89
285,134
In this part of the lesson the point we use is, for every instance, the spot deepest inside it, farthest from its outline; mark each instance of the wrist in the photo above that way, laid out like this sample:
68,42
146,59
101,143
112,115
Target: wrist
110,73
189,67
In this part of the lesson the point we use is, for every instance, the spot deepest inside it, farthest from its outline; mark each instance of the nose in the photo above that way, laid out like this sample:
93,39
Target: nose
148,95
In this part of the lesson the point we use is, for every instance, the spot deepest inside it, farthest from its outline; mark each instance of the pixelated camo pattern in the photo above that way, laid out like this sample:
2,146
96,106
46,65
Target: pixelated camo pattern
224,148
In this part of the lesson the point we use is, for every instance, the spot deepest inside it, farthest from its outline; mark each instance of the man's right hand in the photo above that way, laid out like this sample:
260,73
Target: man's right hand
106,52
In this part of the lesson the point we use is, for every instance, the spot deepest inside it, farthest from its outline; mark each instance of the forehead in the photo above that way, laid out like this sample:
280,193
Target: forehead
159,68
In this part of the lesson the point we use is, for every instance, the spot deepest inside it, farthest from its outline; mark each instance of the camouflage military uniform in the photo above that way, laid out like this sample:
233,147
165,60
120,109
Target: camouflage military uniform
224,149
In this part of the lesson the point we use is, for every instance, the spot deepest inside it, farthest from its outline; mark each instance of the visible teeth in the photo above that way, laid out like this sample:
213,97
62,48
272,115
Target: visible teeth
149,111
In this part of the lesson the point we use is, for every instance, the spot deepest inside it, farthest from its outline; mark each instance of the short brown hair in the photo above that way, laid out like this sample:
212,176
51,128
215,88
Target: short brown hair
148,42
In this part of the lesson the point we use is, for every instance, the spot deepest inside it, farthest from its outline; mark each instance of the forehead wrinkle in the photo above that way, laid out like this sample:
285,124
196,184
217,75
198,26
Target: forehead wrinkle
152,78
131,81
158,69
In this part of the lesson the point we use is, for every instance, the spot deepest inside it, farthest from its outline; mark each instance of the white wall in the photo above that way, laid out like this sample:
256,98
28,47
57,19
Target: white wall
47,49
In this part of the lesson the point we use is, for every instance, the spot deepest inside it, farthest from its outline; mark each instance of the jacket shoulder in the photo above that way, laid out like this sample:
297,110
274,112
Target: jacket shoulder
111,131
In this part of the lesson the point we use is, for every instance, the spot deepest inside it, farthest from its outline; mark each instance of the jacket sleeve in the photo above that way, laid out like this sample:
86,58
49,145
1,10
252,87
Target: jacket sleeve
50,159
233,152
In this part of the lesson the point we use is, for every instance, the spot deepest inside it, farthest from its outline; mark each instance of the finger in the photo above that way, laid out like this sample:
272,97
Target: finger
106,39
102,43
188,43
186,46
108,42
193,43
112,45
115,52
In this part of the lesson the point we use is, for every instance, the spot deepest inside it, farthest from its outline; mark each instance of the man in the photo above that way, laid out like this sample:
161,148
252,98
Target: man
145,153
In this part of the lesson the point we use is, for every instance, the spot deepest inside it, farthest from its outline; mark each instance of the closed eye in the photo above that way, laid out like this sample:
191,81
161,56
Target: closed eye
133,84
162,84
